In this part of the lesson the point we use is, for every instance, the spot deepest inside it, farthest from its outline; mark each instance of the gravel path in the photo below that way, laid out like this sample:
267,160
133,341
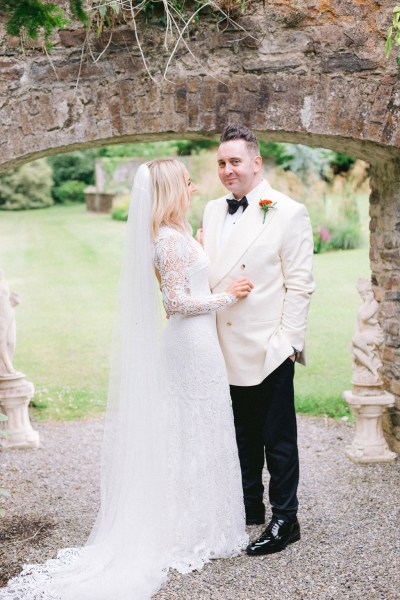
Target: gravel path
349,516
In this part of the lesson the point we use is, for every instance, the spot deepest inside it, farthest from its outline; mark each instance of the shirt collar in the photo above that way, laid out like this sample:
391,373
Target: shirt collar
255,193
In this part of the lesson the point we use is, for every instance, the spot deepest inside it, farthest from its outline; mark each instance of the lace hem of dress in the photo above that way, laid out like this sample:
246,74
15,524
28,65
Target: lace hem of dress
34,581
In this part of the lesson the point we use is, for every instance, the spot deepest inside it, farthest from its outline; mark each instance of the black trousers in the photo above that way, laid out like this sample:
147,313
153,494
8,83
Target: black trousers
265,422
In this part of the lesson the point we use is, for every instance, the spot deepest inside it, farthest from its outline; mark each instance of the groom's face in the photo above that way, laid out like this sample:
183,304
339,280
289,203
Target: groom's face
238,167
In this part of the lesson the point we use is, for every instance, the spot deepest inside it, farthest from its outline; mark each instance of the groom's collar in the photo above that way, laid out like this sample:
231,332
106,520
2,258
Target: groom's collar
256,193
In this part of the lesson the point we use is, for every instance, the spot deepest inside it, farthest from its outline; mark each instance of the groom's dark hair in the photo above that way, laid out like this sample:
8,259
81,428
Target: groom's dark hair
240,132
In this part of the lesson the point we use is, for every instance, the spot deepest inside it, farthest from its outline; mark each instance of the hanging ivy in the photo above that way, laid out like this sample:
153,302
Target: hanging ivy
394,33
31,18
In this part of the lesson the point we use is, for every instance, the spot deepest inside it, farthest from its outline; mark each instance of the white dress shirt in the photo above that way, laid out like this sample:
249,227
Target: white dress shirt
232,220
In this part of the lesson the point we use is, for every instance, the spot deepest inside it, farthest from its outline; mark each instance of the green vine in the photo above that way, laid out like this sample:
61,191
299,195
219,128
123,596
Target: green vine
32,17
178,18
394,33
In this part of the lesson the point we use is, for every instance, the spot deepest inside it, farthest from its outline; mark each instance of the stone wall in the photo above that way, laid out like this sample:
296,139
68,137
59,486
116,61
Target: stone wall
385,262
311,72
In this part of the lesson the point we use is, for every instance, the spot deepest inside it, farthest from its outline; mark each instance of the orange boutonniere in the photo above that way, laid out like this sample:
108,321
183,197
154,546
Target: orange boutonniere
265,205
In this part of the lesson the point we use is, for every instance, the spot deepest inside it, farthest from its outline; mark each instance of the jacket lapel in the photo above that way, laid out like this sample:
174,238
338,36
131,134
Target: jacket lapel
249,227
213,232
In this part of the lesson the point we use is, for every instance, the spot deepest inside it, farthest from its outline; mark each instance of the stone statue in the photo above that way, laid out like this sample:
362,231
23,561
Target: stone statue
367,340
15,391
368,400
8,301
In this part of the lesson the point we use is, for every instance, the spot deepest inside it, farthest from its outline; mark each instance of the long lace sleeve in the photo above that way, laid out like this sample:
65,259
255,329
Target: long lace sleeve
172,261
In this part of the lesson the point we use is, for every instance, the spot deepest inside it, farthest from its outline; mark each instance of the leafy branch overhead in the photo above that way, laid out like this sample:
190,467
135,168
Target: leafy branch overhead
31,18
394,33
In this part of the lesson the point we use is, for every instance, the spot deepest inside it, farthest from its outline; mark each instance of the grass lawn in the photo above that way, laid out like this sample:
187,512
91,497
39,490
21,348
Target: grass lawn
65,262
332,317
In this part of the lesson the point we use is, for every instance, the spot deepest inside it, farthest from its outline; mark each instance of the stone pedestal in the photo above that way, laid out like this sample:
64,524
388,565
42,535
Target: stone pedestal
15,395
369,444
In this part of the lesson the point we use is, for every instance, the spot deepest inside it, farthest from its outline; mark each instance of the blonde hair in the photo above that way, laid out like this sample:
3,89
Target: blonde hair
170,195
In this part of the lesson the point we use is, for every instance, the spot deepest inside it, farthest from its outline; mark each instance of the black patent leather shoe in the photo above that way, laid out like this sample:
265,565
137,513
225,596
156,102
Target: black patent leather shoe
275,538
255,515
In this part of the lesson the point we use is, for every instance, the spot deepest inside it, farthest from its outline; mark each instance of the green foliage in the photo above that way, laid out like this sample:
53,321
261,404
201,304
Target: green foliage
188,147
394,33
344,233
304,160
120,211
33,17
349,212
321,236
77,11
26,187
341,163
275,152
157,149
73,166
345,237
71,191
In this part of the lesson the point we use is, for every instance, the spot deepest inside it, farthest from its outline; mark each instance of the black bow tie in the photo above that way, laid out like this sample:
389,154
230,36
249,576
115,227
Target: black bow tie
233,204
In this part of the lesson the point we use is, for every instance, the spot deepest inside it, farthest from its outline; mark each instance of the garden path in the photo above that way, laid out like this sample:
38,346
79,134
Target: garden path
349,547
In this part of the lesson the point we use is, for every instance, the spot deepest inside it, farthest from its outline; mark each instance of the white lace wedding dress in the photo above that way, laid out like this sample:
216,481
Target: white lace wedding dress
203,516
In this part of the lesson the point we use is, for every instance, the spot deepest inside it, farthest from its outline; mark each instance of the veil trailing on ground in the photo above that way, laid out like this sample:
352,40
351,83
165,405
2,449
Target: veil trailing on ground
129,549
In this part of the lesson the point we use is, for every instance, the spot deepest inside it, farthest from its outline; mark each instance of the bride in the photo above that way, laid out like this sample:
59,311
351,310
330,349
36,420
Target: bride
171,493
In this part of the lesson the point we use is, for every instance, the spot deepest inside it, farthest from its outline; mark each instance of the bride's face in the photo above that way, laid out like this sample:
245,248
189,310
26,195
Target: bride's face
191,188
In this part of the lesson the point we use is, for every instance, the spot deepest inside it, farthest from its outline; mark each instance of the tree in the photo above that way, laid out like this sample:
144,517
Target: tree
26,187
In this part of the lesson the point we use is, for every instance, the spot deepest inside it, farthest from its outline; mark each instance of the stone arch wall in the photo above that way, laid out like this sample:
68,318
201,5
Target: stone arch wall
308,72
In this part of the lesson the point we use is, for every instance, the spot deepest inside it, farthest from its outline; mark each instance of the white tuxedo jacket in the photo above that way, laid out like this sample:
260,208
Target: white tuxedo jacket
258,333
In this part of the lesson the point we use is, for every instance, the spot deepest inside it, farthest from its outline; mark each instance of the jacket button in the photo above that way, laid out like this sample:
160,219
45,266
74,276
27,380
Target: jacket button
229,323
242,266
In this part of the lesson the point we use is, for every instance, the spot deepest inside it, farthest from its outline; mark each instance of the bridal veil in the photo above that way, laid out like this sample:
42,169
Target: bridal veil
127,553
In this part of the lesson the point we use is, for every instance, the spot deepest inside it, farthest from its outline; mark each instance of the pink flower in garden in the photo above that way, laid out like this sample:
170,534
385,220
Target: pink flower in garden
324,234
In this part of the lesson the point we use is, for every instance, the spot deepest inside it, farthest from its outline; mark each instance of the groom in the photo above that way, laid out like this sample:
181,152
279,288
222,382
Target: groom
272,245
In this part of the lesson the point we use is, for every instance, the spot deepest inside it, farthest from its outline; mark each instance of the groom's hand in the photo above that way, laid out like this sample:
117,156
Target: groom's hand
199,235
292,357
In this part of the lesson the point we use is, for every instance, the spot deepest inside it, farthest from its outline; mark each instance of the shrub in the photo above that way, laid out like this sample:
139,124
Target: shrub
304,160
278,153
71,191
26,187
188,147
73,166
349,210
121,209
322,237
345,237
341,163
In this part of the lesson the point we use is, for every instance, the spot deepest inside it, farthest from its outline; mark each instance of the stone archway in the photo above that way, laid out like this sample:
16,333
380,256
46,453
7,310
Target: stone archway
313,73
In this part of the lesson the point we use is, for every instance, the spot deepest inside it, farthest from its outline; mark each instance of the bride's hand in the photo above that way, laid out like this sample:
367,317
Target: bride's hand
240,288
